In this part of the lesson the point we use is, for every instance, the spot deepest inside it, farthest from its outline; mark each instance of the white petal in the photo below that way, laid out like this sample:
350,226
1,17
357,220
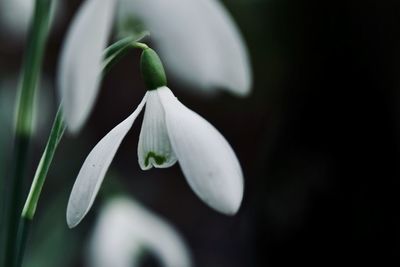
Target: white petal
154,148
197,40
94,169
81,60
124,228
207,160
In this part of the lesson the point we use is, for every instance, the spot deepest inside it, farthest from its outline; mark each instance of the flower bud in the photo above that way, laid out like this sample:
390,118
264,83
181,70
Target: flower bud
152,70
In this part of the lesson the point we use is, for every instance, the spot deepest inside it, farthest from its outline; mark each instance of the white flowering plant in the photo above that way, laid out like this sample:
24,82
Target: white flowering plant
202,49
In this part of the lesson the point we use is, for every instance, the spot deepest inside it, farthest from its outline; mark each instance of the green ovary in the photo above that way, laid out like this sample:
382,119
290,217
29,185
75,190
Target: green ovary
157,158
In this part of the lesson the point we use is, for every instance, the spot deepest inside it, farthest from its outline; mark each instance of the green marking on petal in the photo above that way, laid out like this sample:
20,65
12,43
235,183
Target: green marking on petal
157,158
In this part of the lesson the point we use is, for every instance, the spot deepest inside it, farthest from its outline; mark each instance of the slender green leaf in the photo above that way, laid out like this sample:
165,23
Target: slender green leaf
44,165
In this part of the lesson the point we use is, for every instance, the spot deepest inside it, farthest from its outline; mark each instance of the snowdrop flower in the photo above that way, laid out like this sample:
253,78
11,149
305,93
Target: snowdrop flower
212,54
125,228
170,132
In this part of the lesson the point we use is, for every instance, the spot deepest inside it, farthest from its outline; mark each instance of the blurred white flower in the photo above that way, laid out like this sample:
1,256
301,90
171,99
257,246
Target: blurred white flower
15,16
125,228
201,45
198,40
170,132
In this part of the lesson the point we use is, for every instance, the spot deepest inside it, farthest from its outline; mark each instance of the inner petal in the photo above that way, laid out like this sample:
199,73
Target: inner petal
154,148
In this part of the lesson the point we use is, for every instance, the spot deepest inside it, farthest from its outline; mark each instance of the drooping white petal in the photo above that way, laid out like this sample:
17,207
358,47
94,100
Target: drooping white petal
207,160
198,41
94,169
154,148
125,228
80,67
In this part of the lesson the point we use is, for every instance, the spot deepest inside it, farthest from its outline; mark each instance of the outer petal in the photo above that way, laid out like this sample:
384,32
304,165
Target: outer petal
80,67
207,160
198,41
125,228
154,148
94,169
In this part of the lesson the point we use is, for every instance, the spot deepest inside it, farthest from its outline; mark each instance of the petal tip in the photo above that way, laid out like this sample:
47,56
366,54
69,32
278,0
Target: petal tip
243,92
73,121
144,167
231,211
73,130
71,225
74,215
72,221
229,208
243,88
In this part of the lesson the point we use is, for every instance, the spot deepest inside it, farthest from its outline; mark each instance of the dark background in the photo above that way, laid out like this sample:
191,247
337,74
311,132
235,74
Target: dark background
330,184
317,139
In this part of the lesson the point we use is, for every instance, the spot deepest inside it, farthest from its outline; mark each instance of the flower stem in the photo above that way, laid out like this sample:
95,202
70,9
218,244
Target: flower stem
139,45
28,212
56,134
24,121
24,226
15,197
117,50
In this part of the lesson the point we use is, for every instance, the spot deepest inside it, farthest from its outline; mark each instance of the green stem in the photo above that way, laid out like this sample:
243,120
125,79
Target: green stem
117,50
24,120
139,45
24,226
15,197
56,134
28,212
32,66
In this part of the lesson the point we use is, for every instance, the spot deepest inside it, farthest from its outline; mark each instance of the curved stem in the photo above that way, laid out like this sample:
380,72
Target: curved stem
117,50
139,45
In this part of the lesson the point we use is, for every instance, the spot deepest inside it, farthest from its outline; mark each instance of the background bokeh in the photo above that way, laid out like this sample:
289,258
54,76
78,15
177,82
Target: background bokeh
317,140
